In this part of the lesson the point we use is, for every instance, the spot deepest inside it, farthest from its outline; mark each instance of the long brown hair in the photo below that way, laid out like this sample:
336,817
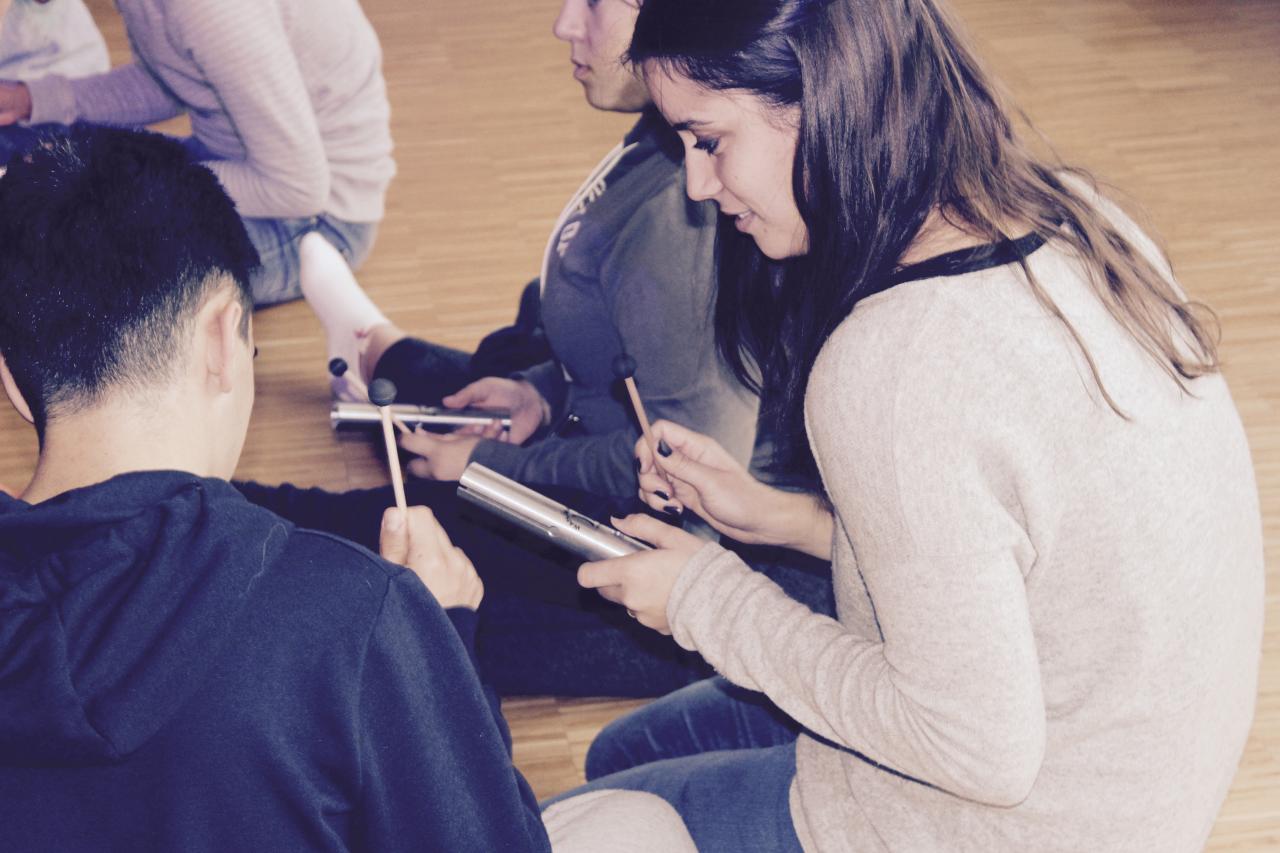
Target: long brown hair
898,119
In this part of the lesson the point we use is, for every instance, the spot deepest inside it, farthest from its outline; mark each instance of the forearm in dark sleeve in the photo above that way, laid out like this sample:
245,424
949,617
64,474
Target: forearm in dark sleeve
548,379
602,464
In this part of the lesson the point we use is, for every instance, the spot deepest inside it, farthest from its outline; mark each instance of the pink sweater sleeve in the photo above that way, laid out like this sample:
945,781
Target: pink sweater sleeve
128,96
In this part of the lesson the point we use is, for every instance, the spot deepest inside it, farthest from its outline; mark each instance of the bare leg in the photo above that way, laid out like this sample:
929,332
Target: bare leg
343,308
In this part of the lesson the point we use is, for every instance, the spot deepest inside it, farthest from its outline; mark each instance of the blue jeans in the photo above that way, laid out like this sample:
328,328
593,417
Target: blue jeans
723,757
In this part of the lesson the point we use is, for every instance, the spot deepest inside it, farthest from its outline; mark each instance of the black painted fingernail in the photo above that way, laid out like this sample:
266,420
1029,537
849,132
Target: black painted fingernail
671,509
663,495
664,449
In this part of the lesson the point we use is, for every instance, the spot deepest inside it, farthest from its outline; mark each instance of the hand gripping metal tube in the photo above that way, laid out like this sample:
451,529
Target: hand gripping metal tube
544,517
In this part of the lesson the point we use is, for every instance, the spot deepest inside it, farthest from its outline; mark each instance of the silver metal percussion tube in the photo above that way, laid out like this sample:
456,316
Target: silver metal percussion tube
342,414
544,517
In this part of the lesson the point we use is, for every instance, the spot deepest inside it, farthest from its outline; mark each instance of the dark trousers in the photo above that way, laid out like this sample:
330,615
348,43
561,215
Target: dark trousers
539,632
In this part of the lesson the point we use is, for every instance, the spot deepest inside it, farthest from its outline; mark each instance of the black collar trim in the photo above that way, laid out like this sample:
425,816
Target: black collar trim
973,259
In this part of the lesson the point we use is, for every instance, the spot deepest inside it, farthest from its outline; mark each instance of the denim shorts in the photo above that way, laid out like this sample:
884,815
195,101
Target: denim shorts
276,240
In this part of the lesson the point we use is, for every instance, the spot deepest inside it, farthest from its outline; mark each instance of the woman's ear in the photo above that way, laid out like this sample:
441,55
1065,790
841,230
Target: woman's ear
15,396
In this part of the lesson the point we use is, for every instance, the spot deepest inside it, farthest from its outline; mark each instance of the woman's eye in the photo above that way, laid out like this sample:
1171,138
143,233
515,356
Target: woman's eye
708,144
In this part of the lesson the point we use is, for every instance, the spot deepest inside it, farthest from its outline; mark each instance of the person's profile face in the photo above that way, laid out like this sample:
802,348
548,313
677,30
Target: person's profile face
598,33
739,153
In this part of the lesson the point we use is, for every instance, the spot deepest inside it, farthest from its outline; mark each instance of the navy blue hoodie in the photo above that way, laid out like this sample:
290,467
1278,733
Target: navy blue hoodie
182,670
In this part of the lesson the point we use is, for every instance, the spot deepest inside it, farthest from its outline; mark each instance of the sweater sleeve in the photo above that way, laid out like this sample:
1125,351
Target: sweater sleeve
548,379
600,464
436,768
244,52
128,96
945,685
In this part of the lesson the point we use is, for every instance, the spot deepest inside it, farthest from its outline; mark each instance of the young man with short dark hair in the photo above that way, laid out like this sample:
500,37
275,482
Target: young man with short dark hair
179,669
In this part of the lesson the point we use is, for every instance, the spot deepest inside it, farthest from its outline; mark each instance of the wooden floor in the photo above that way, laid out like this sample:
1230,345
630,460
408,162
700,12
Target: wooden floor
1176,101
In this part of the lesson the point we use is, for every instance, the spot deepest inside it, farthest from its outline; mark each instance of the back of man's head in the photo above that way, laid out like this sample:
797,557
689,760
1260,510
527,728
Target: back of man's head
110,241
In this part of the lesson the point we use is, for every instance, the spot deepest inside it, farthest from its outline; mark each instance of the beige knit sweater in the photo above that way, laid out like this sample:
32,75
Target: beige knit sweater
1049,617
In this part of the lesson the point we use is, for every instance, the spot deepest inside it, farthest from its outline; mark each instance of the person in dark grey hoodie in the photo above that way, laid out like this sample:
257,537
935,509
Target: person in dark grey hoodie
181,669
629,269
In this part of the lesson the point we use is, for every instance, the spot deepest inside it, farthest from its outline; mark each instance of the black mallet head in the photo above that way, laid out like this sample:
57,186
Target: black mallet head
382,392
624,366
337,366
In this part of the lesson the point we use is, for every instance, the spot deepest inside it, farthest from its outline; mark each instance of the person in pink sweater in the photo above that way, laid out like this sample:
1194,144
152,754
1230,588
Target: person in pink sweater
287,104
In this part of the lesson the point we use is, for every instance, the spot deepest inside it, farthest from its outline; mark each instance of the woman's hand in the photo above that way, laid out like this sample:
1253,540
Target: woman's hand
527,407
415,540
711,483
642,582
442,456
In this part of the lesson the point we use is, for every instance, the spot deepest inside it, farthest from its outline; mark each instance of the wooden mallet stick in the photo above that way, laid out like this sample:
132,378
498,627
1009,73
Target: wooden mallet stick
624,367
339,368
382,393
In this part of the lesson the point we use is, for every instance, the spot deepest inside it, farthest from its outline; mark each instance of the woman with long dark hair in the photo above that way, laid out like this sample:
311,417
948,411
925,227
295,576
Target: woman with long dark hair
1028,471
